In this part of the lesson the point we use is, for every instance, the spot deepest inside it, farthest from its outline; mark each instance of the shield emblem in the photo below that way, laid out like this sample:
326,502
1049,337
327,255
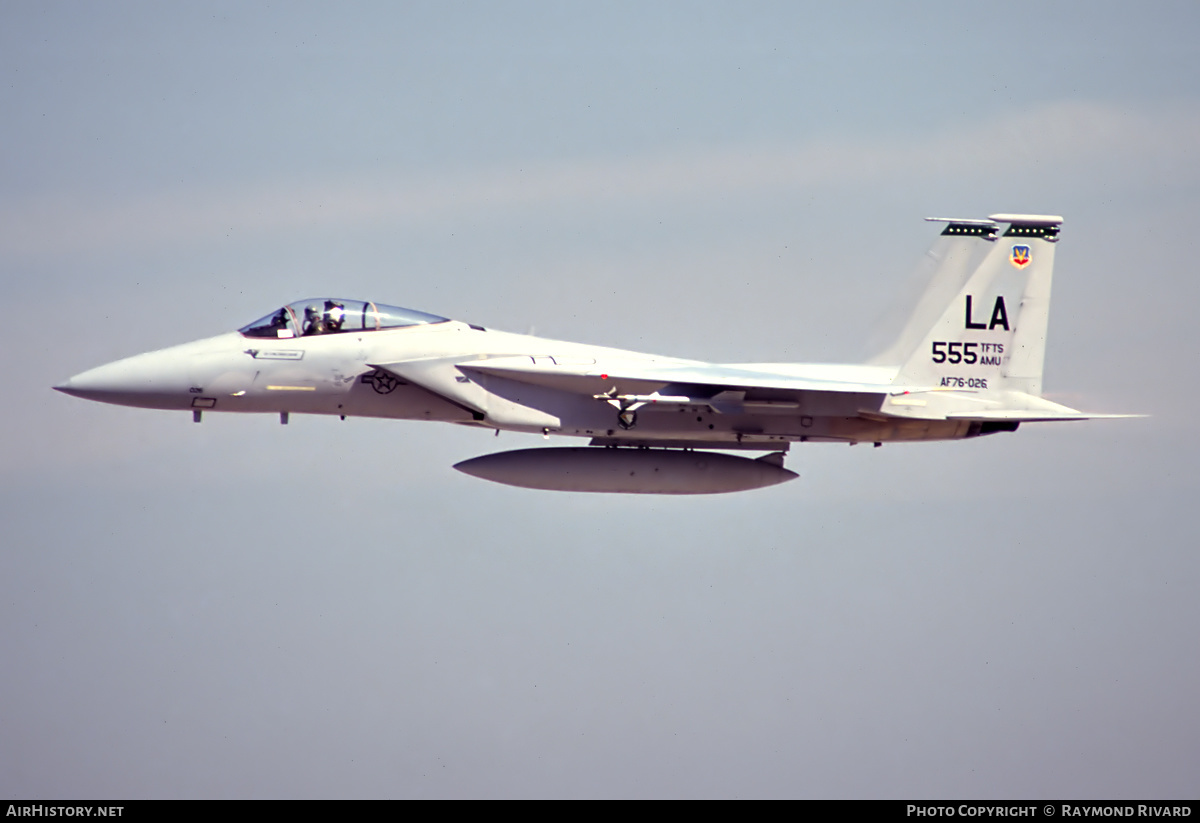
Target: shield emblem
1020,256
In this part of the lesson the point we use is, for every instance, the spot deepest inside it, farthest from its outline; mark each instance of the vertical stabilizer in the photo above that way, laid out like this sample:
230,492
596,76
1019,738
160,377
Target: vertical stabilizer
952,258
982,321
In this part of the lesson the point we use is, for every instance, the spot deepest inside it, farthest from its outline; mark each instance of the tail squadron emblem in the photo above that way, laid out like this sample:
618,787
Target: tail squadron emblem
1020,256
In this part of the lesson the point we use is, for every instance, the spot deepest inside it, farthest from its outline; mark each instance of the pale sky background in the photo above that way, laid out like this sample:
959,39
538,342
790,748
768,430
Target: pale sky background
327,609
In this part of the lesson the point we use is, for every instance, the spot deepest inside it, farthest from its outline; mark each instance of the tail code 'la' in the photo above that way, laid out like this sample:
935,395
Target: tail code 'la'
981,323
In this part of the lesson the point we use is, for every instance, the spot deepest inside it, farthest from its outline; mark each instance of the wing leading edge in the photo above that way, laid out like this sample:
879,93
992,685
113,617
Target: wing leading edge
588,378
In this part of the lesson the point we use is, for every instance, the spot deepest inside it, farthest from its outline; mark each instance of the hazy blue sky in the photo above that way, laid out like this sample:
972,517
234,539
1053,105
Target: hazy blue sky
327,609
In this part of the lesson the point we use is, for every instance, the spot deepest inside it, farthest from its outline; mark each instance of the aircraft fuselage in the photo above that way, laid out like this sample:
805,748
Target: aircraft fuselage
335,374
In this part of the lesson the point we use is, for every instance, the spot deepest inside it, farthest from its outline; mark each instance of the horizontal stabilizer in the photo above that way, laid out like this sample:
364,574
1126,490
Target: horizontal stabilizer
1035,416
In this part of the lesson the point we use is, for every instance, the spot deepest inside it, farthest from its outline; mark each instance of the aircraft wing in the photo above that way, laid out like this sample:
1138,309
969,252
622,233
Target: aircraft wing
725,389
528,391
592,377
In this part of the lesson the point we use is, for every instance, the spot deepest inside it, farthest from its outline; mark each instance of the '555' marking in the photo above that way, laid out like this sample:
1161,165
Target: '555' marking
987,354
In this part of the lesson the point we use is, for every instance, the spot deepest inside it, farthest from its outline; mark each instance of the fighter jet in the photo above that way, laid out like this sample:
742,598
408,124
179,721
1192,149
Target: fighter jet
967,364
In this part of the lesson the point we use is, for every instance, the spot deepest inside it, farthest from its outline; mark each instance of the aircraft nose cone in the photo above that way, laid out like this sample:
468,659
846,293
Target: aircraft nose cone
68,387
105,383
87,385
147,380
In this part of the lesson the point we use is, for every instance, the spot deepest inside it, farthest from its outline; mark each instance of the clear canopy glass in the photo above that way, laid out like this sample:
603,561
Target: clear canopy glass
306,318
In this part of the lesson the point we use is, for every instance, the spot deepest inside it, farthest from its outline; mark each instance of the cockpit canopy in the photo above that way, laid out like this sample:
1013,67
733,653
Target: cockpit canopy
306,318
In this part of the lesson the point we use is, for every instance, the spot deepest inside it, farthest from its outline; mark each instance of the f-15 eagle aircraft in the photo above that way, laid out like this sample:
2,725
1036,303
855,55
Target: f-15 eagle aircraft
968,363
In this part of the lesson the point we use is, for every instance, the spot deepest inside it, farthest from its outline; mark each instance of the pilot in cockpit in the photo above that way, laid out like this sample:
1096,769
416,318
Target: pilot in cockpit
335,315
314,323
280,321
